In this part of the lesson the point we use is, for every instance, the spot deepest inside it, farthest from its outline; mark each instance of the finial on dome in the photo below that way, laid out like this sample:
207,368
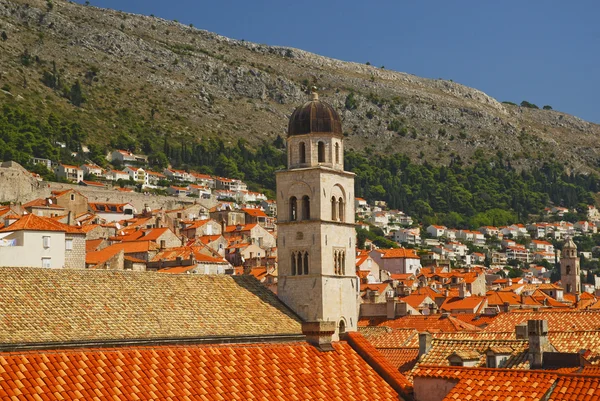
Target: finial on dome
314,94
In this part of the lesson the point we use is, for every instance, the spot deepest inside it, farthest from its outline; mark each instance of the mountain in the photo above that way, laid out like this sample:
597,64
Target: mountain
131,80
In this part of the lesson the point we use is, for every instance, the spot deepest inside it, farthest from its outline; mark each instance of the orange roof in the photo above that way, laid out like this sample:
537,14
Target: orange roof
97,257
185,253
454,303
431,323
41,202
400,253
283,371
31,222
254,212
379,363
92,244
402,358
247,227
507,384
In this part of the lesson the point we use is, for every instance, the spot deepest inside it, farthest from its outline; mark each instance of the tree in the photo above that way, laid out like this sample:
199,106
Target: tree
76,95
529,105
547,107
158,159
351,102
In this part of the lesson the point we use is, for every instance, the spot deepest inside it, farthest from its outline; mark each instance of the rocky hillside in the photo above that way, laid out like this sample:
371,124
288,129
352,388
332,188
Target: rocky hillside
145,77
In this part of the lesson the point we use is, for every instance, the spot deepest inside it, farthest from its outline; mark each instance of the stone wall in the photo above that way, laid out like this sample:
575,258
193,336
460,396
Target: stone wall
75,258
18,186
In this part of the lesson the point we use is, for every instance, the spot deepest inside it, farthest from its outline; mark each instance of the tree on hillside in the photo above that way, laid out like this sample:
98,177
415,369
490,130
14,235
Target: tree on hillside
76,94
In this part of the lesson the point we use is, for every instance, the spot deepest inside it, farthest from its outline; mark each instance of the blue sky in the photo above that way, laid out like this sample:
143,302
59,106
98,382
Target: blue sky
546,52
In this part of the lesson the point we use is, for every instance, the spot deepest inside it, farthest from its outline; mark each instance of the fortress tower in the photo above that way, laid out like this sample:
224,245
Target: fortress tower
316,235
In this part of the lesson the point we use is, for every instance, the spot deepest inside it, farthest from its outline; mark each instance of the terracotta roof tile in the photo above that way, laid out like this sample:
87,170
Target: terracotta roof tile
31,222
50,305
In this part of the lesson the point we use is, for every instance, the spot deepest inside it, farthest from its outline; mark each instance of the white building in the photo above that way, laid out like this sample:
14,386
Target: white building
436,231
68,172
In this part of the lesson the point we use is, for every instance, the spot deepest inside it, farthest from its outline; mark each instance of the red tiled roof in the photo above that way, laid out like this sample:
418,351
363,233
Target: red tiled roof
285,371
378,362
254,212
98,257
31,222
431,323
400,253
504,384
402,358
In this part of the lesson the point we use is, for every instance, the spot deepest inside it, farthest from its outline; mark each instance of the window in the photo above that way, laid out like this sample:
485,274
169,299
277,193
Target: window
568,270
305,262
72,197
305,207
341,207
294,267
302,152
46,241
333,209
293,208
69,244
337,153
321,151
342,327
46,263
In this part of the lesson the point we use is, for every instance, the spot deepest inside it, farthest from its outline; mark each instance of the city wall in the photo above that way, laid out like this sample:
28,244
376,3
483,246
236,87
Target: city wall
19,186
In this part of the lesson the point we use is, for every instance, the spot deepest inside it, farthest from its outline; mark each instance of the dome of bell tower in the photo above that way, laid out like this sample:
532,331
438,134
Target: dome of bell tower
316,117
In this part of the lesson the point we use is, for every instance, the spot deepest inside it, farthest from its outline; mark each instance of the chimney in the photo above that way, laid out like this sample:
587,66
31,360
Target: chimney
69,217
401,308
319,334
462,289
424,343
521,331
390,304
538,342
506,306
446,293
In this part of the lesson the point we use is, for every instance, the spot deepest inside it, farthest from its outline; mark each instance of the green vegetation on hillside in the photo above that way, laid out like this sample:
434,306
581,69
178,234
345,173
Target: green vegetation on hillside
488,192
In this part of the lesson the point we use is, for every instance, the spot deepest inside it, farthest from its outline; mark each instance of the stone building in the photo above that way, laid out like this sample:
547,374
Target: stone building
569,268
316,236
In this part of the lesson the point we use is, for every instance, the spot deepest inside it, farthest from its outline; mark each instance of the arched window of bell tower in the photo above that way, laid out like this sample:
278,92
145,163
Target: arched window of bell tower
305,262
302,152
305,207
333,209
293,209
337,153
568,270
321,151
299,263
294,266
342,210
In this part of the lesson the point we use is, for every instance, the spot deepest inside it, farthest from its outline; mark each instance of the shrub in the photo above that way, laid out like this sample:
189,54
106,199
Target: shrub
351,102
547,107
525,103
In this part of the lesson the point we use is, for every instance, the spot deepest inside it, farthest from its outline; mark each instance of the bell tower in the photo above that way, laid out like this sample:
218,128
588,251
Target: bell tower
316,238
569,268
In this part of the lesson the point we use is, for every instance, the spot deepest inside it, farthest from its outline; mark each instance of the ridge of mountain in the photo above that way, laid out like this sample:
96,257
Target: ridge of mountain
145,78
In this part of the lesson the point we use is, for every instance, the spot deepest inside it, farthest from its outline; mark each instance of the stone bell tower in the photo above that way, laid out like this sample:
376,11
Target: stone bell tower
316,238
569,268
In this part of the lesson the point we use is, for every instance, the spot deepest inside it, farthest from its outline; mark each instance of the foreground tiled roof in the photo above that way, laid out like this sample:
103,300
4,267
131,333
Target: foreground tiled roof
403,359
523,385
288,371
61,305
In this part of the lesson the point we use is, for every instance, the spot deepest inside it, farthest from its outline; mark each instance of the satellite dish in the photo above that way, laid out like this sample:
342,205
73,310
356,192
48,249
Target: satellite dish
49,201
425,312
118,226
122,233
79,224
